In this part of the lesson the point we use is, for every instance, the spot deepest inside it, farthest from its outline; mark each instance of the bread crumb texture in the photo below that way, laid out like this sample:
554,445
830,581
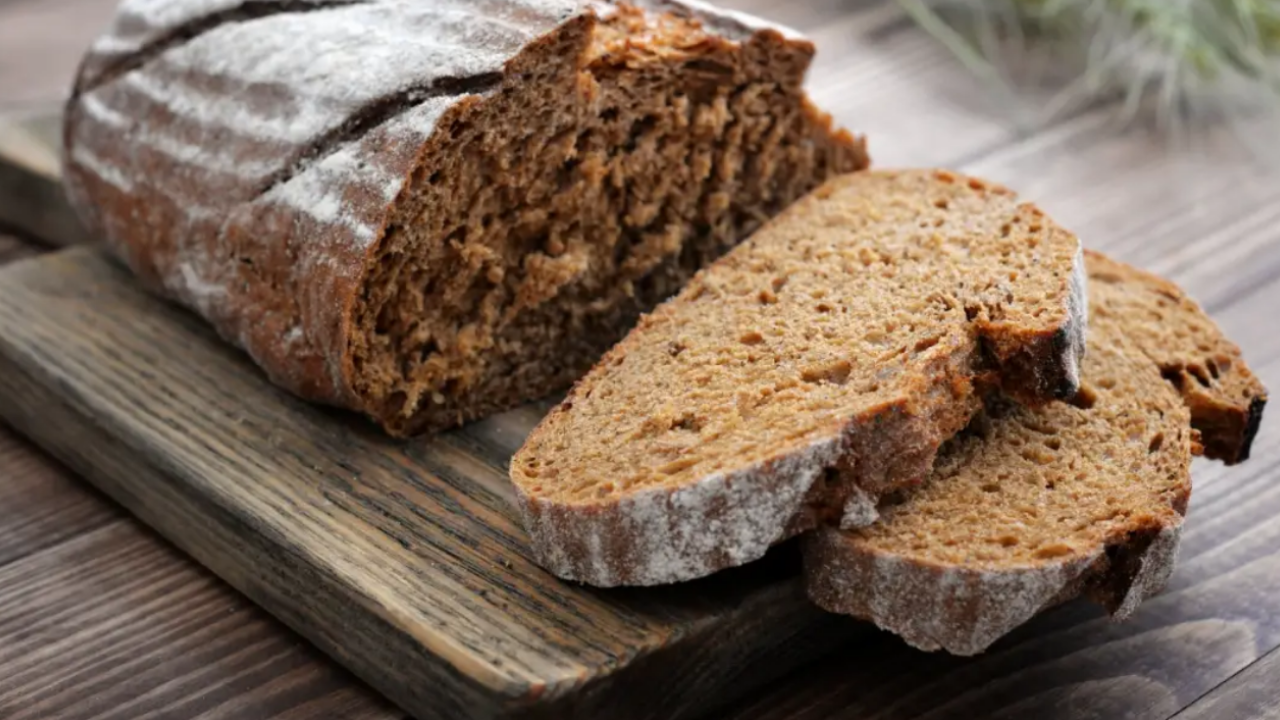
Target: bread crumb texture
1029,507
432,211
814,367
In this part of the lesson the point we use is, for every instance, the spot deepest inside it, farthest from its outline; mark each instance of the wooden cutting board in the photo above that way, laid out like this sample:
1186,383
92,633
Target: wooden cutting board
31,199
404,561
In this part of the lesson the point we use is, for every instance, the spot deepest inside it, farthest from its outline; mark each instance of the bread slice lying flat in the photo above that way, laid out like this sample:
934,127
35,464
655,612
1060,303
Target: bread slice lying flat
811,369
1030,507
431,211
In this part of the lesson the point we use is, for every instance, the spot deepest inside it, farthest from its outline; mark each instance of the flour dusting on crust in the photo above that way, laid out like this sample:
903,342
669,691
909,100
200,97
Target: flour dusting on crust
1155,565
661,535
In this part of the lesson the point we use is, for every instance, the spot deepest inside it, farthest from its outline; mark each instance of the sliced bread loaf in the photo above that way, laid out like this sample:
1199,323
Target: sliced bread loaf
431,211
1030,507
848,333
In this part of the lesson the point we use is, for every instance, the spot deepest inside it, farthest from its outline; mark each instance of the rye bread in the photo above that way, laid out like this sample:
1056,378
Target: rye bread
813,368
431,211
1030,507
1225,397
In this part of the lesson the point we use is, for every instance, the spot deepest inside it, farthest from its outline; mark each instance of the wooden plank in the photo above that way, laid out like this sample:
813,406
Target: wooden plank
32,199
46,511
41,504
1254,694
116,624
404,561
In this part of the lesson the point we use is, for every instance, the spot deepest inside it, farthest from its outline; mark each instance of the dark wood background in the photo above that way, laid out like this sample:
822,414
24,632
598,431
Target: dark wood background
99,617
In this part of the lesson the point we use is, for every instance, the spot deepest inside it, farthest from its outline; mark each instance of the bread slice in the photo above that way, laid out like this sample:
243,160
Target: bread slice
1030,507
848,333
1225,397
431,211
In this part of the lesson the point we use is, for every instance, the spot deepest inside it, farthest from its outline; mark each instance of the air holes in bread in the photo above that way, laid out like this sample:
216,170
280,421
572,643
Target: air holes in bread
1199,374
1053,551
836,372
1085,398
926,343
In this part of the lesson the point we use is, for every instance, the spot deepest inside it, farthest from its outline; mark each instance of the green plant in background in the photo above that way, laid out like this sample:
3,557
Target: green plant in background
1185,55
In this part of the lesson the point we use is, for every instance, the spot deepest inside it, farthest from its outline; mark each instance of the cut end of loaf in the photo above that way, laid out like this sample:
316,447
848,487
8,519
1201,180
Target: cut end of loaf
864,320
612,162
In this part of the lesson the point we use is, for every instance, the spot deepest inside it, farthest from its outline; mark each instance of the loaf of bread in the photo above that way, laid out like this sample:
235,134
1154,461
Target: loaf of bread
1031,507
813,368
430,211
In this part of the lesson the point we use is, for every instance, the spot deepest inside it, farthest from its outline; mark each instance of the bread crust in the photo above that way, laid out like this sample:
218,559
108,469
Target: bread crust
236,179
663,535
963,611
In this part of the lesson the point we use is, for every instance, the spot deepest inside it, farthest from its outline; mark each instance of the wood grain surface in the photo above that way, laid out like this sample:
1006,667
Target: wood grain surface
1253,693
406,562
225,658
31,200
1203,212
41,505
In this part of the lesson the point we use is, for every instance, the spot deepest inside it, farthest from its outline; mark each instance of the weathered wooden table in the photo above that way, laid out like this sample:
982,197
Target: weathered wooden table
99,617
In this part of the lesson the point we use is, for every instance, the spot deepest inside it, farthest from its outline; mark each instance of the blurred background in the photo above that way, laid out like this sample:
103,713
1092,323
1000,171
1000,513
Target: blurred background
1173,65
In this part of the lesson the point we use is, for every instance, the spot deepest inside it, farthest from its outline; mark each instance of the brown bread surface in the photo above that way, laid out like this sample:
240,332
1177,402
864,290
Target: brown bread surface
1030,507
428,212
1225,397
813,368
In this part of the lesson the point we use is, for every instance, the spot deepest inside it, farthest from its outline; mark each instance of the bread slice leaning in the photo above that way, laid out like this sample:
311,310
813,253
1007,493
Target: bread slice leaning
1030,507
811,369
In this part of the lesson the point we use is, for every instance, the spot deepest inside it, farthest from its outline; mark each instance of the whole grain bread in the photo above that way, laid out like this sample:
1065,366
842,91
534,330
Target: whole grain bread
431,211
813,368
1226,399
1030,507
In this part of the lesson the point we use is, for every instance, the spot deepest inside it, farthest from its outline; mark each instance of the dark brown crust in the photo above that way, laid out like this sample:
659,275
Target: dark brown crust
289,284
1250,431
1041,370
